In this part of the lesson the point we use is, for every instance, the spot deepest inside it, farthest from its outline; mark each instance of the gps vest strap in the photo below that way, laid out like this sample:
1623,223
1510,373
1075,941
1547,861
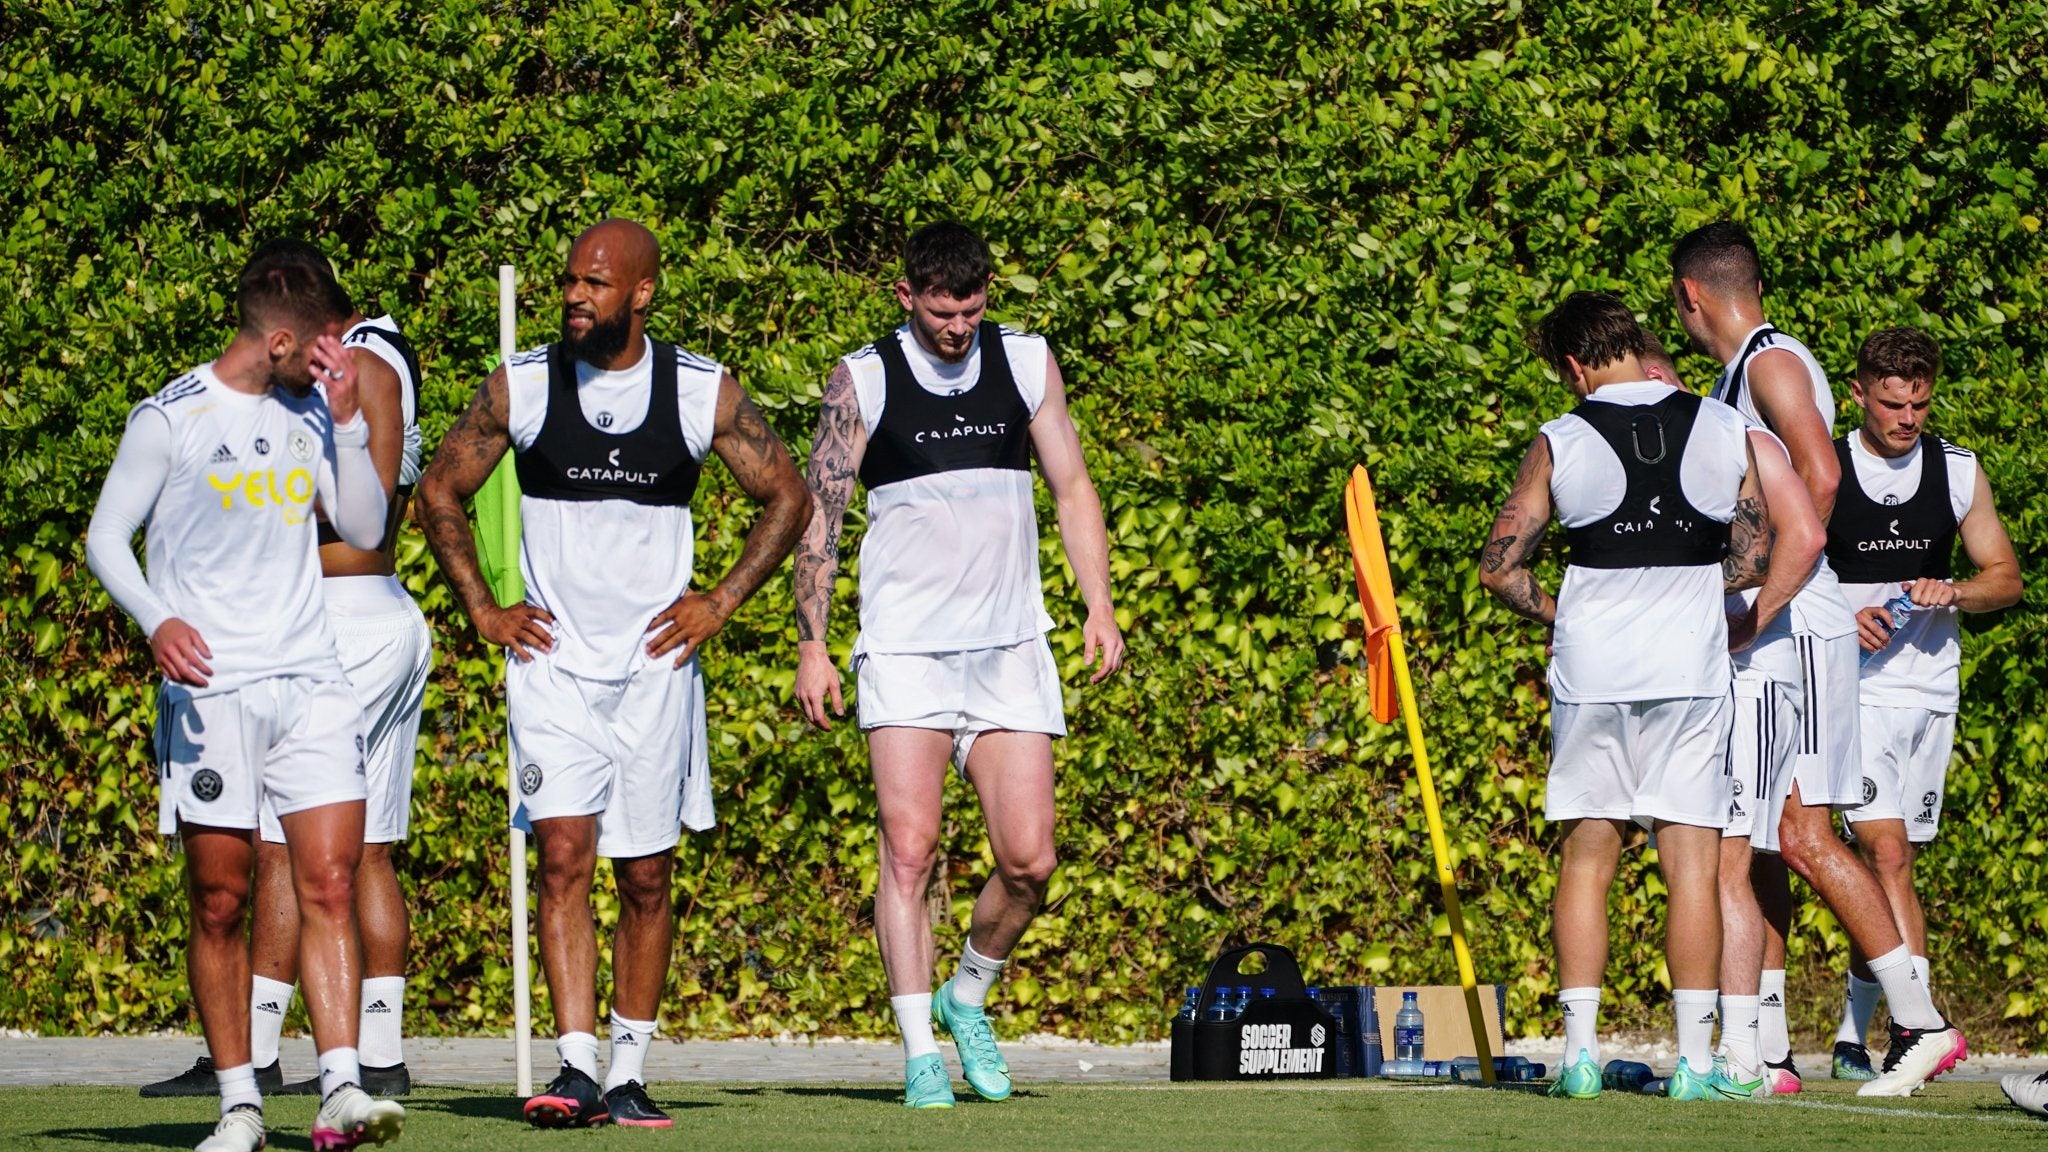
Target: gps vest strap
1655,526
570,460
1738,369
1873,543
411,360
985,425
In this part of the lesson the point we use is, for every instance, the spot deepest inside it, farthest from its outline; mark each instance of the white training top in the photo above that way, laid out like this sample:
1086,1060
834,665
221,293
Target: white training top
950,560
1819,609
225,481
1922,666
1627,634
604,568
1774,652
410,462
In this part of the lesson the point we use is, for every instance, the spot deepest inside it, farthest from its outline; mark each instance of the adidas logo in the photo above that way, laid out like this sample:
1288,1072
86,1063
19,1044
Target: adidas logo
379,1006
1773,1001
270,1006
626,1040
221,455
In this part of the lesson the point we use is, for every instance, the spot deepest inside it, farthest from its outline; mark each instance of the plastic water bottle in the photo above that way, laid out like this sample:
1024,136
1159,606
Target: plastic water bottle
1187,1005
1244,1000
1626,1075
1219,1007
1315,995
1408,1029
1901,609
1268,993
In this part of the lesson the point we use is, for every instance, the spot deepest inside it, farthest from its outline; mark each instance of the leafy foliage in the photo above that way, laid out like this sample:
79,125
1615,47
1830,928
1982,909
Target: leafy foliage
1268,240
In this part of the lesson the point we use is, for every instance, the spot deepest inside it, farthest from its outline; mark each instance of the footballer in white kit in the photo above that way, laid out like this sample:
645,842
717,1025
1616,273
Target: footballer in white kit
940,420
1906,497
609,431
224,466
1663,515
1774,381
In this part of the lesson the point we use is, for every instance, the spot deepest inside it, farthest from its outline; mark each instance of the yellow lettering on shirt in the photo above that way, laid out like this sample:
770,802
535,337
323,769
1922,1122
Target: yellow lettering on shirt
260,488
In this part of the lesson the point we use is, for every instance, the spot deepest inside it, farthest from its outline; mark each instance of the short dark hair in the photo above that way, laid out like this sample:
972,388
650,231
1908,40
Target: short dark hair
947,257
1594,328
1721,256
289,282
1907,353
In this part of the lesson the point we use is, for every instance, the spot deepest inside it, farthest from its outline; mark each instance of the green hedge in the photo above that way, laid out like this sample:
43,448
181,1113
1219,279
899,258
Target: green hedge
1268,240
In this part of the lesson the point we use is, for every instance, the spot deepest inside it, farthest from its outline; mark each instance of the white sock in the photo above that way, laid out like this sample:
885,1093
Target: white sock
1925,971
377,1036
269,1000
339,1066
630,1039
1857,1011
914,1020
579,1051
1581,1025
975,977
1773,1034
1694,1008
1904,994
1738,1031
237,1087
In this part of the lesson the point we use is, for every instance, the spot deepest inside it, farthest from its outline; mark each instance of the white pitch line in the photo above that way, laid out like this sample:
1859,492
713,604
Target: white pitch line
1902,1113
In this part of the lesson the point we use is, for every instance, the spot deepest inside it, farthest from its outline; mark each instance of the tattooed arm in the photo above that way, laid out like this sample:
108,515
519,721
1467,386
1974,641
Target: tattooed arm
1517,533
1748,561
1795,531
836,453
757,459
462,463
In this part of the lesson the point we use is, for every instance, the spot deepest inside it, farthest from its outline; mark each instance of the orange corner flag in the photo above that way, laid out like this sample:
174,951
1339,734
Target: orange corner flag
1375,592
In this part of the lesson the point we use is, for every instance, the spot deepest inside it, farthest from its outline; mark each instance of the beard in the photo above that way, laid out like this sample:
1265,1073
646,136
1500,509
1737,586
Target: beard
605,340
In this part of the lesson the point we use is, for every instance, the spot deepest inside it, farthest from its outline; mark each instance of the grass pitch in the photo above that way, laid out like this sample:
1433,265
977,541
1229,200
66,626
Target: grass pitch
1113,1118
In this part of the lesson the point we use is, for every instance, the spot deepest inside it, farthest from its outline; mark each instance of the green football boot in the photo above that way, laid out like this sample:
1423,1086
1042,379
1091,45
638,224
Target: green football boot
1852,1062
925,1083
1686,1084
1581,1081
980,1064
1730,1084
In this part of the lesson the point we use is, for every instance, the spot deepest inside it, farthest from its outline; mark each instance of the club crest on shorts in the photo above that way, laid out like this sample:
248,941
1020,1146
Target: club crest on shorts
206,785
529,779
1869,790
301,446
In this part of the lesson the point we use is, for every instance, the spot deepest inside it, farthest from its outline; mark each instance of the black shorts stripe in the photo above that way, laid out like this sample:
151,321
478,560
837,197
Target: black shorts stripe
1809,730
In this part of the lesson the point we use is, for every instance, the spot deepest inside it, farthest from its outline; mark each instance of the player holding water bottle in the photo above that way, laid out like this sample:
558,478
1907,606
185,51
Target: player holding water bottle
1905,496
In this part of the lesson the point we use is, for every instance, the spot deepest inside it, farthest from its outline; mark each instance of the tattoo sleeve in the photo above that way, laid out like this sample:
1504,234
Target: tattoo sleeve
835,458
1517,535
759,462
1749,545
461,464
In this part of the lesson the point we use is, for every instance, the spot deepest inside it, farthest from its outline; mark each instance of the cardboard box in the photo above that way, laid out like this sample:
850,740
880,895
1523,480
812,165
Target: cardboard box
1446,1025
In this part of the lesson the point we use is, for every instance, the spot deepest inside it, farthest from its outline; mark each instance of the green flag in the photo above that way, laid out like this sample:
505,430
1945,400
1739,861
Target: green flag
497,534
496,509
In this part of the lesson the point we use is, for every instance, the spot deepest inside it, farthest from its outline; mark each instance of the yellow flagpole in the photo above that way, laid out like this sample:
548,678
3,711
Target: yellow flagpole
1453,910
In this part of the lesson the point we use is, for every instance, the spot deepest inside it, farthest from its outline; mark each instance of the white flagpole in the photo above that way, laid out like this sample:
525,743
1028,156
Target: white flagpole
522,976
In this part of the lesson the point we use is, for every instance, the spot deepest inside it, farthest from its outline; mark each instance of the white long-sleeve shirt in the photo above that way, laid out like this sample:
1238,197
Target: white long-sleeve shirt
225,482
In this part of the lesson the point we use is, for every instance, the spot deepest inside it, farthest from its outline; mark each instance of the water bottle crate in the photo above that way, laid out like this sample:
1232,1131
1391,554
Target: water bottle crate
1273,1031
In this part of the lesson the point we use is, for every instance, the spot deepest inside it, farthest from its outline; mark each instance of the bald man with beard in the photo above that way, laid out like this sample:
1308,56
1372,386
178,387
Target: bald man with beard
609,430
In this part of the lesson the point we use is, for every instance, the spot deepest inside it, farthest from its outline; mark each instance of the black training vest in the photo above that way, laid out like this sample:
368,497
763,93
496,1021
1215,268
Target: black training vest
1655,526
1873,543
411,359
570,460
984,425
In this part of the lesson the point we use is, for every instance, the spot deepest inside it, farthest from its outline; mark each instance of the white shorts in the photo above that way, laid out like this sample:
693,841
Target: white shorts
630,752
387,653
288,741
1761,745
1905,767
1646,761
1010,689
1828,767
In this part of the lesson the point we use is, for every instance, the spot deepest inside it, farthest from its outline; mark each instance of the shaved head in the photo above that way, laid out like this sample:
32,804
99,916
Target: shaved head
631,250
606,290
